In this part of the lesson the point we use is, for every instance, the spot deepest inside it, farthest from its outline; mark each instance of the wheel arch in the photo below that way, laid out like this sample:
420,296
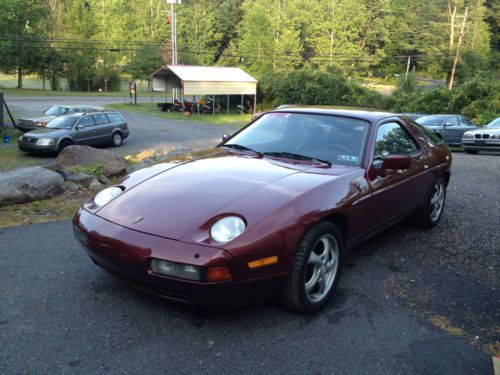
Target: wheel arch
341,222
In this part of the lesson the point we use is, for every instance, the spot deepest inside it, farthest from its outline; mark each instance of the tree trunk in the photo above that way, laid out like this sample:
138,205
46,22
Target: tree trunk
19,77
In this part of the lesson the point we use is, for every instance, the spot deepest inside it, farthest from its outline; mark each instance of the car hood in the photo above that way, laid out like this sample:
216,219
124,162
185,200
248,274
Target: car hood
39,119
44,133
186,196
489,131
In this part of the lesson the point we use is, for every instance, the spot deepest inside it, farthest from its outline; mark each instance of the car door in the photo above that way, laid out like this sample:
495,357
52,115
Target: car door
395,192
103,128
452,131
85,133
465,125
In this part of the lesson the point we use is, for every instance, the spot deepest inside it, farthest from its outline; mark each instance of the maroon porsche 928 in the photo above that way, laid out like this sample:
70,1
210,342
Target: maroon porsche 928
269,213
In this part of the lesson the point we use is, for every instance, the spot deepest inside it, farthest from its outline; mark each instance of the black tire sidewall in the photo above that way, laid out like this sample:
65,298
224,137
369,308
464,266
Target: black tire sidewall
63,144
305,248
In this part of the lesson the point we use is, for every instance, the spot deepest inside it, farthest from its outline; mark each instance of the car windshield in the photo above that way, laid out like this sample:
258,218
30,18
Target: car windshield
495,124
65,122
430,120
56,110
331,139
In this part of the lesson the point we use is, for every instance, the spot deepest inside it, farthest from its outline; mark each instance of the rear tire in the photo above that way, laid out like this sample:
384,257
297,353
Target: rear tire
469,151
116,139
315,269
430,214
63,144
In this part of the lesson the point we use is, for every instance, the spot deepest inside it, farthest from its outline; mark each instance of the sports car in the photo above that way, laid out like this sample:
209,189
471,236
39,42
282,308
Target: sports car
271,212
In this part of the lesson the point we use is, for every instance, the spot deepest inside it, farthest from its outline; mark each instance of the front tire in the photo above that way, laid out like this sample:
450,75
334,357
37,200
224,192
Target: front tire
315,270
63,144
430,214
116,139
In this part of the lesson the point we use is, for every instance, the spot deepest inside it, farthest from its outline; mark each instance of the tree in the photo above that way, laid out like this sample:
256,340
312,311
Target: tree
21,28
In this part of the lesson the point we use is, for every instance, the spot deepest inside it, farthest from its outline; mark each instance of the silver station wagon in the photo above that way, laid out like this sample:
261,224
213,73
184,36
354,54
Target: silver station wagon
97,128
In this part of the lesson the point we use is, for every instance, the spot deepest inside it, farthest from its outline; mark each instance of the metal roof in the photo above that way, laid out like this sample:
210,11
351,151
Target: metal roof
189,73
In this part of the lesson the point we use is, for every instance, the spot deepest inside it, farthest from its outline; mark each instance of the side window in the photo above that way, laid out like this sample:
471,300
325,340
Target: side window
86,121
115,117
451,121
464,121
100,119
393,139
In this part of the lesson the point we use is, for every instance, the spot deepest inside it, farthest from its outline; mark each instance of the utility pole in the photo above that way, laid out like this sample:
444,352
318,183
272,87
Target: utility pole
407,68
173,15
457,56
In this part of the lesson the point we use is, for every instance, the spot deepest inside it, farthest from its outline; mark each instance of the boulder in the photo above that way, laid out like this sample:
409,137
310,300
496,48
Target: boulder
113,165
103,179
80,178
29,184
71,186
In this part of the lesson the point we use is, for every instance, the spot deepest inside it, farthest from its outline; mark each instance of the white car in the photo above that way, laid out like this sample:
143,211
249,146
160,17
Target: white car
483,139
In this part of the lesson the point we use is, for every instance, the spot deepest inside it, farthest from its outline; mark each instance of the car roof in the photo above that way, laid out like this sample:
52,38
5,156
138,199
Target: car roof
366,115
80,114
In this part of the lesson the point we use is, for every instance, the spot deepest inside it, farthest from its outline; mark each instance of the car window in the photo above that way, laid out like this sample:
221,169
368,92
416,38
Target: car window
86,121
115,117
393,139
431,137
464,121
451,121
74,110
62,122
56,110
100,119
494,124
339,140
434,120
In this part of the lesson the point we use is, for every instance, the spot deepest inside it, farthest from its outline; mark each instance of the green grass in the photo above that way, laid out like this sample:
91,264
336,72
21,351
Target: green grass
232,119
10,155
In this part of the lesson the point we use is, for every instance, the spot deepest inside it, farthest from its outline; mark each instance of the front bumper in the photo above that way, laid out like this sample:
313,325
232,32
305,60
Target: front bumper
33,147
127,254
25,127
483,144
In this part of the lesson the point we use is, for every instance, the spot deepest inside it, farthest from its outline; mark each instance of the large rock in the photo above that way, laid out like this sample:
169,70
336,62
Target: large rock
73,156
80,178
29,184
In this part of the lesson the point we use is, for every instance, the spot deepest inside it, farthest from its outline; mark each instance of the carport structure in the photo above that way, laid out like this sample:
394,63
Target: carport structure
190,80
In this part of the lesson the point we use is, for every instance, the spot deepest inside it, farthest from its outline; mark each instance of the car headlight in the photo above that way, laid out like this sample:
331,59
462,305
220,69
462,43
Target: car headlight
45,141
20,138
468,135
184,271
42,124
107,195
494,136
227,229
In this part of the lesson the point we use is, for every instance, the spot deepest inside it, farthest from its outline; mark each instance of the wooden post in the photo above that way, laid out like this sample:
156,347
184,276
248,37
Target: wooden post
228,104
241,109
407,68
254,102
457,56
213,104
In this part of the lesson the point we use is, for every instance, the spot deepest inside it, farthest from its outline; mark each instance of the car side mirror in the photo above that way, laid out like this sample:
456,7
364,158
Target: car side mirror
225,137
396,162
448,124
79,127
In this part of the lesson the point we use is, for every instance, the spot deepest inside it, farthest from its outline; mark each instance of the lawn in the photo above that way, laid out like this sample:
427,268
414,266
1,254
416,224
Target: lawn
10,155
232,119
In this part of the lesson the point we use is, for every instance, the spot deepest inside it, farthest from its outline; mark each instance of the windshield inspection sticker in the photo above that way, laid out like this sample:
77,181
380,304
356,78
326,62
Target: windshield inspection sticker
351,158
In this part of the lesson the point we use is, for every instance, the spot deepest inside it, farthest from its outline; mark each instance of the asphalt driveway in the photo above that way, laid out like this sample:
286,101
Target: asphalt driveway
59,313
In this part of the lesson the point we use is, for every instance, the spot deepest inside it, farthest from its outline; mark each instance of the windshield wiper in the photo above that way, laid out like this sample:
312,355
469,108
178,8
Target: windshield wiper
291,155
240,147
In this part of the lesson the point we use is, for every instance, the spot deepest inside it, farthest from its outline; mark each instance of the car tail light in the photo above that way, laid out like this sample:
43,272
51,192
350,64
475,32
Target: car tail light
218,274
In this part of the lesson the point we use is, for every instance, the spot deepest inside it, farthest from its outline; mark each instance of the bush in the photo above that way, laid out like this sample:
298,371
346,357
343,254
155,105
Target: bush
311,87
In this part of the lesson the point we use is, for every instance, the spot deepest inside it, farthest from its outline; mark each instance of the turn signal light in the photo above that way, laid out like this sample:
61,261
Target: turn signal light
263,262
218,274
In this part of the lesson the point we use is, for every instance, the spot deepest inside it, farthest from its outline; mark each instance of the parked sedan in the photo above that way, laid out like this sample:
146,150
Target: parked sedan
96,128
27,124
450,128
271,212
483,139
